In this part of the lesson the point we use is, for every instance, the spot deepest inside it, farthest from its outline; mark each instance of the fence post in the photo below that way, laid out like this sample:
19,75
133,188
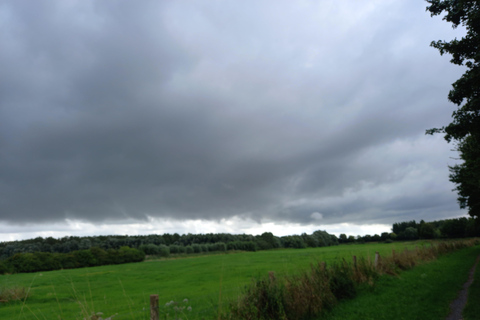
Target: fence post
376,260
154,309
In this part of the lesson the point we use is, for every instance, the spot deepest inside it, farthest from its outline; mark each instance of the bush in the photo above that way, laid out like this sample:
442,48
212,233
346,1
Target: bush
164,251
149,249
174,249
196,248
4,269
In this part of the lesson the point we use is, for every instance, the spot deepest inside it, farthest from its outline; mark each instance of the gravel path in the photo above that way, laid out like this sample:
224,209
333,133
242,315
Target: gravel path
457,305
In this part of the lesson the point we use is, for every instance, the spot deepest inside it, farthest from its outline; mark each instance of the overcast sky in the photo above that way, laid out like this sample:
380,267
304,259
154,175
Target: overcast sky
137,117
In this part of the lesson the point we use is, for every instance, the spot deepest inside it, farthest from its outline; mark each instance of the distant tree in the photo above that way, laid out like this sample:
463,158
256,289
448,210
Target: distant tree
310,241
411,233
426,230
455,228
385,236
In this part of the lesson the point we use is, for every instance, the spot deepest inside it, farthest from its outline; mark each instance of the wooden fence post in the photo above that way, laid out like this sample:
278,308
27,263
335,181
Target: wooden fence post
154,308
376,260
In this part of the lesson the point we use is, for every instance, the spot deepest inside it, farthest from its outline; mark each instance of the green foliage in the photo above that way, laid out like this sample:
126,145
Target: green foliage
448,228
164,251
411,233
293,242
45,261
465,126
150,249
426,230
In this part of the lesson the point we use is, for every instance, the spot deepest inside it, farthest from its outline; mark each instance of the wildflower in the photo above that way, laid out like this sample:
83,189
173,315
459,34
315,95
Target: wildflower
185,300
189,308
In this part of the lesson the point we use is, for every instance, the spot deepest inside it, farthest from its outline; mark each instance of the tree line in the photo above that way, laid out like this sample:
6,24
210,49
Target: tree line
411,230
47,261
44,254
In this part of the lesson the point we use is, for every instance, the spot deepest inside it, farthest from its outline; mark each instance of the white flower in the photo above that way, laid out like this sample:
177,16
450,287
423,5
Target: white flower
185,300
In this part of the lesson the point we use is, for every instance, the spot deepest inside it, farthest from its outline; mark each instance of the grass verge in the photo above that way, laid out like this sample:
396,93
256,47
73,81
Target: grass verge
424,292
472,309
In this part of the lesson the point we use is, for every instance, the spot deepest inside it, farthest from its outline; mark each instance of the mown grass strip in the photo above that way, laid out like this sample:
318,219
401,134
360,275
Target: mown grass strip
423,292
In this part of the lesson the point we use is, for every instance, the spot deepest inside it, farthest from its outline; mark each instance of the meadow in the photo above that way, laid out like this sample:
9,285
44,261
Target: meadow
209,282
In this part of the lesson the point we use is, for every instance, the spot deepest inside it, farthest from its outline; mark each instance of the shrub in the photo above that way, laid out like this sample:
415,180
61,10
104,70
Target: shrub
164,251
4,268
149,249
174,249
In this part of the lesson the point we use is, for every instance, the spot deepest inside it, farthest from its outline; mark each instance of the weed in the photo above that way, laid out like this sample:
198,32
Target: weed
177,309
309,294
98,316
342,281
13,294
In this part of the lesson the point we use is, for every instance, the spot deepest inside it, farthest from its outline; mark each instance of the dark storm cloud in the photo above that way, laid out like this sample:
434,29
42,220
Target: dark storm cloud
266,110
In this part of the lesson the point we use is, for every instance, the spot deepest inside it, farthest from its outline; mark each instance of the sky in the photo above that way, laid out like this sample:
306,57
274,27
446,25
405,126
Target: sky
142,117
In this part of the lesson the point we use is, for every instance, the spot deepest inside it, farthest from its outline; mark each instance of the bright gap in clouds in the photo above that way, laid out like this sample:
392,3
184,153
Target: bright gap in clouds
234,225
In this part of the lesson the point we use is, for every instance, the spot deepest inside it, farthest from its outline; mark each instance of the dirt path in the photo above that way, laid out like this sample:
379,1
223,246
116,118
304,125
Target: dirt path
457,305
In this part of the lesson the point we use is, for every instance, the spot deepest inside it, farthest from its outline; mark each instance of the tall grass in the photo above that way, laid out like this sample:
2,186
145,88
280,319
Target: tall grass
319,289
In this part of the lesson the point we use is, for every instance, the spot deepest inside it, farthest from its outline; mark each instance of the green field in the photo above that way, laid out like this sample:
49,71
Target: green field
209,282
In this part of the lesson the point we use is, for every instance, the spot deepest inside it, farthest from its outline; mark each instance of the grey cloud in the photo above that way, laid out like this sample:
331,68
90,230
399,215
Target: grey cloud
124,111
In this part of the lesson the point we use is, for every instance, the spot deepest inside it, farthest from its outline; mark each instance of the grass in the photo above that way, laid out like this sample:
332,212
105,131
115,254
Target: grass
423,292
125,289
472,309
209,282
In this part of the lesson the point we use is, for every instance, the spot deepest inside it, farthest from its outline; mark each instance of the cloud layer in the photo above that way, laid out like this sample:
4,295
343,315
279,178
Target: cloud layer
267,110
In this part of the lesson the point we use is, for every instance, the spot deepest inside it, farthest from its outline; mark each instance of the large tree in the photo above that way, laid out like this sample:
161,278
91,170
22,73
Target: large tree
464,130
